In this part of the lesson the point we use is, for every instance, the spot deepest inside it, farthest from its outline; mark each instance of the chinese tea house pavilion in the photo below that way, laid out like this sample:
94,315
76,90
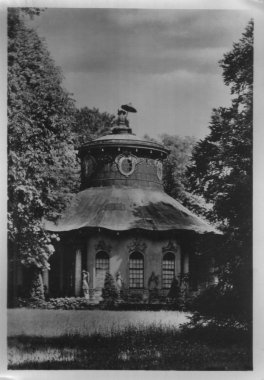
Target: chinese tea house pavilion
122,221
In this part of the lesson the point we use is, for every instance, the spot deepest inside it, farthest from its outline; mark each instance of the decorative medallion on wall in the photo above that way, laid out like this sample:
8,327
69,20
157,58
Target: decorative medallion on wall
170,247
102,246
137,245
159,167
126,164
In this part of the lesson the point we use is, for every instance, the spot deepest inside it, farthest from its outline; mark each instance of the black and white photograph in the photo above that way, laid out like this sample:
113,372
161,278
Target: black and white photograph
130,188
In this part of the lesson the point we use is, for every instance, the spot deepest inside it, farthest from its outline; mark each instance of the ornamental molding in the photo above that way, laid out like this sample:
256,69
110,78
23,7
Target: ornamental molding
159,167
137,245
126,153
170,247
133,161
102,246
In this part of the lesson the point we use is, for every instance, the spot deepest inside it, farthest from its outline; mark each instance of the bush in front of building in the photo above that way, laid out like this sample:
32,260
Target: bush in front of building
65,303
80,303
219,307
174,292
30,303
109,291
130,297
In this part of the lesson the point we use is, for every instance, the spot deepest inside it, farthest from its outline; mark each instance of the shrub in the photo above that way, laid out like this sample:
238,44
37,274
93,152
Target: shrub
67,303
30,303
219,306
174,291
135,298
109,291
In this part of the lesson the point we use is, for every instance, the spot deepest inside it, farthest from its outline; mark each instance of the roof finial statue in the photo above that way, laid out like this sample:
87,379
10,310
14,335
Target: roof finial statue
122,113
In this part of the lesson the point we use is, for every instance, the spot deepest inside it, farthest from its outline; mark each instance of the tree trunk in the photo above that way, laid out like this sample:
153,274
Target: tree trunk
37,287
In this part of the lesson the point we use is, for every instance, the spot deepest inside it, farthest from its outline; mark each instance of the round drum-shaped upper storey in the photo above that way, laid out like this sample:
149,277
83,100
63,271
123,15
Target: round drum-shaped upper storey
122,160
122,170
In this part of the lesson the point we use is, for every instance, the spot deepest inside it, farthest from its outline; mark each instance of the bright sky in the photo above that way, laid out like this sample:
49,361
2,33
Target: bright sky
163,61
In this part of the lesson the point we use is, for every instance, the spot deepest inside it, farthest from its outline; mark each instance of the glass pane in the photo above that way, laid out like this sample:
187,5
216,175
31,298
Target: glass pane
136,270
101,262
168,270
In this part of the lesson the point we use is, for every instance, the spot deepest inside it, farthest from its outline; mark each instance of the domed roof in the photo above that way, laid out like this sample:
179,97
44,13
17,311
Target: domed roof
120,209
121,198
119,136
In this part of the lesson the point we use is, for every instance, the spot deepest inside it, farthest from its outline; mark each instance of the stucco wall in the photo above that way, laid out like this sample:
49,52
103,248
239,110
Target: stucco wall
119,249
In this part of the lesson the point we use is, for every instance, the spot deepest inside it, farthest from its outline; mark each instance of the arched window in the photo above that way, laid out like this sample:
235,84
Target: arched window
101,267
168,269
136,270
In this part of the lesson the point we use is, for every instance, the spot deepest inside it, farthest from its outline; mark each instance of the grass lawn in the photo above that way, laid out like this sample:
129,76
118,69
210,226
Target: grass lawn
54,323
97,339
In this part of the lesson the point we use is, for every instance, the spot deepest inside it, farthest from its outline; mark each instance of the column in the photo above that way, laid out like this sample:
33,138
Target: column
78,273
45,277
178,256
185,283
186,263
61,271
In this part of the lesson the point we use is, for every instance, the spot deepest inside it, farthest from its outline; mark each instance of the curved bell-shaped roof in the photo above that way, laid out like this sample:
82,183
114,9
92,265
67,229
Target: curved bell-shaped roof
125,208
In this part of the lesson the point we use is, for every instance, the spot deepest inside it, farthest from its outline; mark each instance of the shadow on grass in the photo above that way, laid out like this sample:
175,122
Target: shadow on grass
151,348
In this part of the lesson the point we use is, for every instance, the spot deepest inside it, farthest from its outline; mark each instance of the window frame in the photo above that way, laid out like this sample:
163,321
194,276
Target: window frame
137,272
169,271
102,259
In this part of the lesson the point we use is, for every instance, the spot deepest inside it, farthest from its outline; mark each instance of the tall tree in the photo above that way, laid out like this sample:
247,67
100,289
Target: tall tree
174,172
91,123
42,165
176,163
221,171
174,167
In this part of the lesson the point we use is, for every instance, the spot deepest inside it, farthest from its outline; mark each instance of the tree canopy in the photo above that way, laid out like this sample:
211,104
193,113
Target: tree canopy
91,123
176,163
221,169
42,165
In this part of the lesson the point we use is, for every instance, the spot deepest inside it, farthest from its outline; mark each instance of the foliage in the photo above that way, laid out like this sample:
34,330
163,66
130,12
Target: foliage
221,168
216,335
174,177
90,124
65,303
221,172
80,303
221,308
131,297
174,291
37,289
174,171
176,163
42,165
109,291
